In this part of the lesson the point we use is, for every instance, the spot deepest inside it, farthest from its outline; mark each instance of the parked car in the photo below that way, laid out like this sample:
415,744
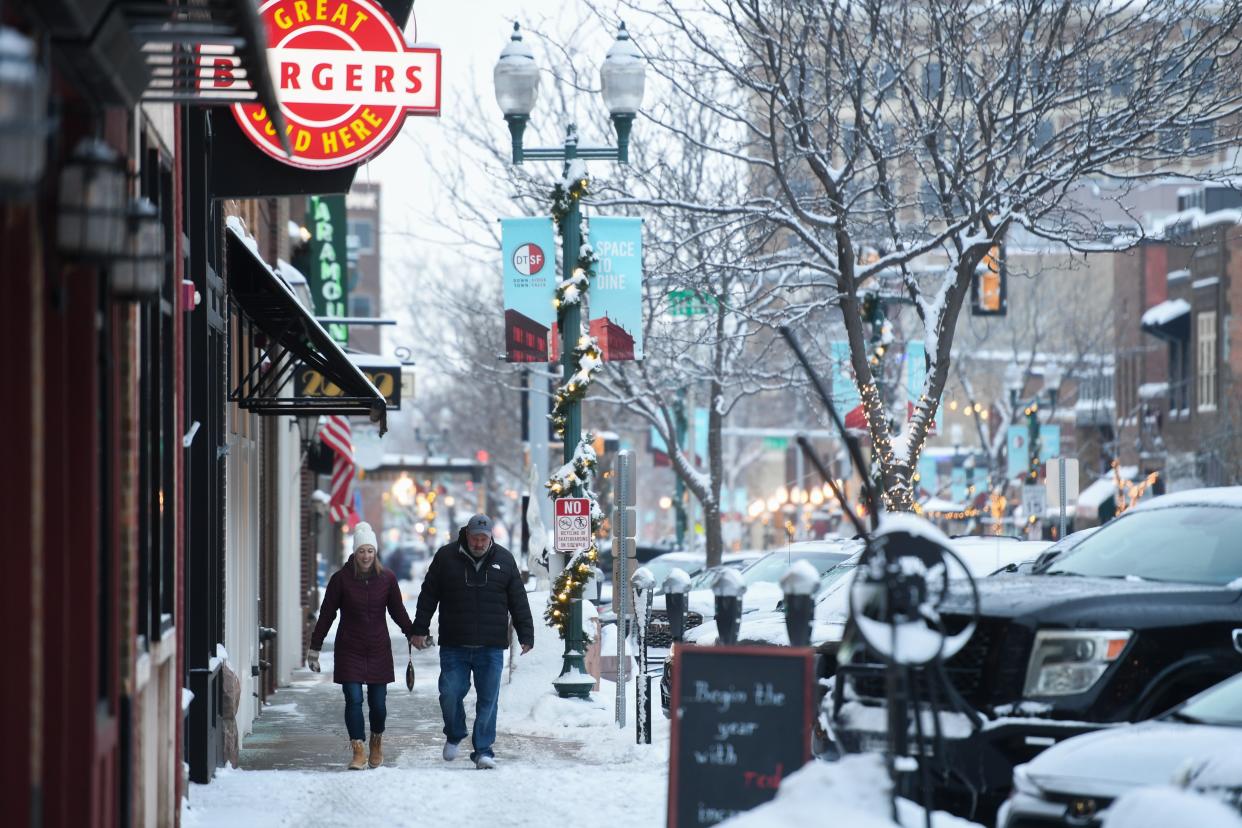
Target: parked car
832,605
1063,545
763,593
1074,782
1129,622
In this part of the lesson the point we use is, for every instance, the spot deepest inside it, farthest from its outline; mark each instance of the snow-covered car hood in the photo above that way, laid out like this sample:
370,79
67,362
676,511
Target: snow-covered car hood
759,597
768,628
1110,762
1018,595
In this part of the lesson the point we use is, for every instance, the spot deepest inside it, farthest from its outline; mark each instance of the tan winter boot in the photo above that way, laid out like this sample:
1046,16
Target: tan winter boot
377,750
360,757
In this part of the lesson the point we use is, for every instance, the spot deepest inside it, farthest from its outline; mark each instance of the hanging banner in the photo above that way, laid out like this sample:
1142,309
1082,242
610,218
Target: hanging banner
916,376
700,437
844,389
328,261
1019,453
345,78
528,251
929,474
615,300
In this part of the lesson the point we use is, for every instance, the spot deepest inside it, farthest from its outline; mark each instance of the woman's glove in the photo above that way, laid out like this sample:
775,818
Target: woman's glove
312,660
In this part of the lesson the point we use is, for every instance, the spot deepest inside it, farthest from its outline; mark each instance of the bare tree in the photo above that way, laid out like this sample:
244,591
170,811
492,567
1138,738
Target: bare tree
892,145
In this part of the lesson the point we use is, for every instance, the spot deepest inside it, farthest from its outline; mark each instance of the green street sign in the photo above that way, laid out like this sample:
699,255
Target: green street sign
776,443
689,303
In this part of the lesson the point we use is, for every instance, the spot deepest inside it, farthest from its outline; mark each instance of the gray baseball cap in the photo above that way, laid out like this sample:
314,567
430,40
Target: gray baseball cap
479,525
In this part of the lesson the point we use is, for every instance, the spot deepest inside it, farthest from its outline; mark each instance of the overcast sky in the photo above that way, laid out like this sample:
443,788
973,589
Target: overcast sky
414,200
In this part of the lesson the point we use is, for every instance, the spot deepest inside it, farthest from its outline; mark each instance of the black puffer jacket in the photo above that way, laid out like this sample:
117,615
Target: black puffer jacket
475,603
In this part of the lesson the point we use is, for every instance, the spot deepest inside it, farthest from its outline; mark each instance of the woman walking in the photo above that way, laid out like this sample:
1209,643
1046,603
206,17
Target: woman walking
361,590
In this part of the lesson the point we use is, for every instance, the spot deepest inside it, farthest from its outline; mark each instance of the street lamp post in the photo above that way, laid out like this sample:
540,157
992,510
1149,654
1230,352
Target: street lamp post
622,78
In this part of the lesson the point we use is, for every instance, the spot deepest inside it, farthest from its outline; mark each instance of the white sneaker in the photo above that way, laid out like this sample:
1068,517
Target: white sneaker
485,763
450,752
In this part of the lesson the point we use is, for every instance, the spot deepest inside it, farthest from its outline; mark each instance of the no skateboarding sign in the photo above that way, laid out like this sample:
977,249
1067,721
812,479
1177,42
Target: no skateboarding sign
572,522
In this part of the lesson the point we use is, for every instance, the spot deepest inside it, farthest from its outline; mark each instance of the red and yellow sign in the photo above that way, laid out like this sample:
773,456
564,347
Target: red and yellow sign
345,78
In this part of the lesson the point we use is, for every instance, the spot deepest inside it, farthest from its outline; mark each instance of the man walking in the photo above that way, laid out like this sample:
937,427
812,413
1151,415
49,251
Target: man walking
477,586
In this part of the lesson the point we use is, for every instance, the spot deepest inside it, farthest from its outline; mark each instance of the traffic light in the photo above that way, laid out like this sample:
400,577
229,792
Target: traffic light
987,289
482,456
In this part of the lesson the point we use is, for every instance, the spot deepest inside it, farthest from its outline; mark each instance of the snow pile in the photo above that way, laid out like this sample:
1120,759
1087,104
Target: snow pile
1159,807
855,791
529,704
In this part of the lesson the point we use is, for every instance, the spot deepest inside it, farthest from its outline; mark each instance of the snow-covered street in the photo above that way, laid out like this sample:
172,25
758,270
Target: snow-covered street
293,764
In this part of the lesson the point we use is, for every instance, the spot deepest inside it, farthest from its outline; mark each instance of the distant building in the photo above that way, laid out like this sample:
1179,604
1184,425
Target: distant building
1178,400
615,343
525,339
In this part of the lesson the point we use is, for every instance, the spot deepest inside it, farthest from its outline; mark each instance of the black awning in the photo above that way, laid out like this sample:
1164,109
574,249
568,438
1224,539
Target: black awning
1168,320
190,44
287,337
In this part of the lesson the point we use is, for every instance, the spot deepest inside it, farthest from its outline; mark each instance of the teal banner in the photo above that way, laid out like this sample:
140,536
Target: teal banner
328,261
1019,452
615,301
528,252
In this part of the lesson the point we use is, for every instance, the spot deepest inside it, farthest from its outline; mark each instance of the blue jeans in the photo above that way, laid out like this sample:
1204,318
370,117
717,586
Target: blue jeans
456,666
376,696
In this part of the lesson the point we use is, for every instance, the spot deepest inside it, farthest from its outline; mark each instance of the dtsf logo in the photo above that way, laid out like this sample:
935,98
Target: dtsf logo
528,259
345,79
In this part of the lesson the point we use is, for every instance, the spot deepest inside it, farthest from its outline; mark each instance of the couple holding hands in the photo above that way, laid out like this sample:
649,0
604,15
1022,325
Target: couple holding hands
476,586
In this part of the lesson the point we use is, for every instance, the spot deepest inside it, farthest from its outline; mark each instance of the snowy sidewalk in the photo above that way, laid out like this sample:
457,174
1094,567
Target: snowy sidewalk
293,763
303,727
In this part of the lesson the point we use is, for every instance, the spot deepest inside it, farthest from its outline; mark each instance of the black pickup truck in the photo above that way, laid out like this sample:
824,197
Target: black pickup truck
1131,621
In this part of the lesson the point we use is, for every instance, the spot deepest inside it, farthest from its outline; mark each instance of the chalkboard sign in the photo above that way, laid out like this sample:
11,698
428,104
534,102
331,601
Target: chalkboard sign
741,722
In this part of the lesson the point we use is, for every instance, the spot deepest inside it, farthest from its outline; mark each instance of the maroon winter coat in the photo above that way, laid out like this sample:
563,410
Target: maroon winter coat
363,650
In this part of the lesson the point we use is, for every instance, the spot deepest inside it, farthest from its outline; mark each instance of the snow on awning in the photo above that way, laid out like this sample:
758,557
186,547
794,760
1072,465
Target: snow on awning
1165,312
1094,496
939,504
1169,320
1103,490
1153,390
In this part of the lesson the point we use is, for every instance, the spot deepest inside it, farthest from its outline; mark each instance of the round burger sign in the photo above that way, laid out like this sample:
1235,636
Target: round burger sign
345,78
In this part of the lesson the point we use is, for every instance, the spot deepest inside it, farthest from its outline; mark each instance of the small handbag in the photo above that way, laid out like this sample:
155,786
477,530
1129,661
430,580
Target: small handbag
409,670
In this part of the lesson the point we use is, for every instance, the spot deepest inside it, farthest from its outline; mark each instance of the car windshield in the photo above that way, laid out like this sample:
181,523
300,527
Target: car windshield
1187,544
1221,705
771,567
707,577
833,575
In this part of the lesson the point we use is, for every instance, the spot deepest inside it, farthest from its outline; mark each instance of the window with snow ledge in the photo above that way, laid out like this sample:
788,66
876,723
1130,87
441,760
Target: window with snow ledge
1206,361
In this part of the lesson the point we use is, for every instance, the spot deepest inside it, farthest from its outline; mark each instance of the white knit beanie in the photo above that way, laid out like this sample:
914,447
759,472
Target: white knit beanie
364,535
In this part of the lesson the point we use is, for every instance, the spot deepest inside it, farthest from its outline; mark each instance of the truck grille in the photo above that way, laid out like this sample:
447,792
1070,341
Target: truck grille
658,633
988,671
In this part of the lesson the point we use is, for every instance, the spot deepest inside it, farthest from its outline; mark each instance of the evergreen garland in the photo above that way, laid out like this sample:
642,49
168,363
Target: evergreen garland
585,361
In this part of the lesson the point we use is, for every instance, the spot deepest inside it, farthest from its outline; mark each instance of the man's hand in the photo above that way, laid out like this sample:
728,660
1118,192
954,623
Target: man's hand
312,660
419,642
526,648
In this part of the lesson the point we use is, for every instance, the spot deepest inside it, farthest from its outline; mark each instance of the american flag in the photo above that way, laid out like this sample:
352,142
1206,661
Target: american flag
337,436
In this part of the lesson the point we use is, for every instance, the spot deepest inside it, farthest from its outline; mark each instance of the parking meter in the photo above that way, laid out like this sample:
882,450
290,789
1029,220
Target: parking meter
729,588
798,584
676,587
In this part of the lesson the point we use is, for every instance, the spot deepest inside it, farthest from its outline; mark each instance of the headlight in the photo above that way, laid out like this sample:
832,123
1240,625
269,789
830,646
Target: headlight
1023,784
1065,662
